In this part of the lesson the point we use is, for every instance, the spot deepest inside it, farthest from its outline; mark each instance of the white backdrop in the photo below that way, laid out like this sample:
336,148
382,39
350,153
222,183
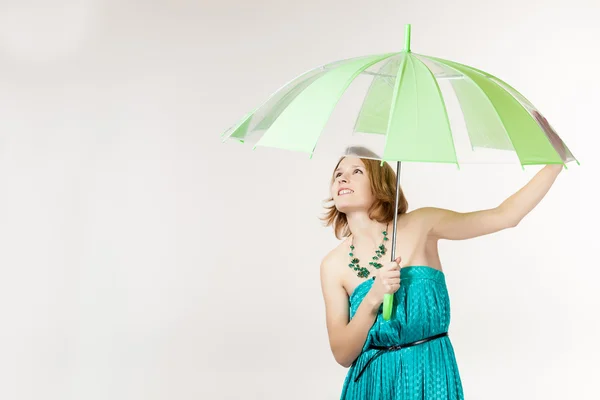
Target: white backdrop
140,258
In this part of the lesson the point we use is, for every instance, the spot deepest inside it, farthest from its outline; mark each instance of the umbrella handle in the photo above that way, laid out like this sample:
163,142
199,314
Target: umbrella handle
388,302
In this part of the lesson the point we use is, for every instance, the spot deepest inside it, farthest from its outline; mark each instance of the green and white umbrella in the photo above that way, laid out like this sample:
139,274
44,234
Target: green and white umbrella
404,116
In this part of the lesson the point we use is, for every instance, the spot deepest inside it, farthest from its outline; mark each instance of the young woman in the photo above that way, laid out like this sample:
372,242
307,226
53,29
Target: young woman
409,357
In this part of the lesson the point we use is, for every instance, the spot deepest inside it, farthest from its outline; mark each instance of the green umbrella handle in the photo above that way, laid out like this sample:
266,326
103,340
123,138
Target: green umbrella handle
388,303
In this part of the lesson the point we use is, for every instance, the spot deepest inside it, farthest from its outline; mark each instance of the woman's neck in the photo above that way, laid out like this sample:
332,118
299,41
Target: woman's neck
365,230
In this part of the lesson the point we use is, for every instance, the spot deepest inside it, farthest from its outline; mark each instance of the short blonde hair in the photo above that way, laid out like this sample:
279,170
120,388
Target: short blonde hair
383,187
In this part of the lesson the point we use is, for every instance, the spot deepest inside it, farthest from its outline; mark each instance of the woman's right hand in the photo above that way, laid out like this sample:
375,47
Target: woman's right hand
387,281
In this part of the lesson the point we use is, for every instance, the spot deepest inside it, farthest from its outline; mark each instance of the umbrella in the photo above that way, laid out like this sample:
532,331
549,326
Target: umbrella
405,115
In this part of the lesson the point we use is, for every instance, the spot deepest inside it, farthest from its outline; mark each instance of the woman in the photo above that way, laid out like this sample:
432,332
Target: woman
355,276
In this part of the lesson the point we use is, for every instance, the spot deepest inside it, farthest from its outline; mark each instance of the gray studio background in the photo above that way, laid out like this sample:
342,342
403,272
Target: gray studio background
140,258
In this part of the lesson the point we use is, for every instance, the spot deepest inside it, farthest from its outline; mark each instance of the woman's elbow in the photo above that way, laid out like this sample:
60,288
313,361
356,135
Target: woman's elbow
341,359
343,362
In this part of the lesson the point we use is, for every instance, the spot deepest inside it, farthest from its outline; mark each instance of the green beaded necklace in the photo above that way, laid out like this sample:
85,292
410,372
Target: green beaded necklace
362,272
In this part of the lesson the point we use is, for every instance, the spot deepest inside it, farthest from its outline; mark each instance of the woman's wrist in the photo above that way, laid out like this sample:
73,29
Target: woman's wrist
372,302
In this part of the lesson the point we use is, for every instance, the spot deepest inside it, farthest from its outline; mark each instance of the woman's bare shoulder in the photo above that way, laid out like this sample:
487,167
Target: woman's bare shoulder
422,216
421,212
334,257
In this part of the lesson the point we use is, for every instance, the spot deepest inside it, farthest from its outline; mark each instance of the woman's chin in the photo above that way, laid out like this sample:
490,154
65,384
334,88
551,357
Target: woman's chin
349,207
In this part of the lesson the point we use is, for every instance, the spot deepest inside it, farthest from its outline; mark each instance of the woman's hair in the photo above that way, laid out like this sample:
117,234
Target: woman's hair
383,187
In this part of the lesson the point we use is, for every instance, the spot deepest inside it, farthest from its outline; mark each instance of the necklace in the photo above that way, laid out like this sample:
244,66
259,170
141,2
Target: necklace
363,272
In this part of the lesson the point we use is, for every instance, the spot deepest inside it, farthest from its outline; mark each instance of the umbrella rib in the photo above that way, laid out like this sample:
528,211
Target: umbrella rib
397,85
416,87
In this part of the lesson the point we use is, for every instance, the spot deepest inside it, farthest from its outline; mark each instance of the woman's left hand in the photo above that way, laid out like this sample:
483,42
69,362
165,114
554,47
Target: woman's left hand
556,141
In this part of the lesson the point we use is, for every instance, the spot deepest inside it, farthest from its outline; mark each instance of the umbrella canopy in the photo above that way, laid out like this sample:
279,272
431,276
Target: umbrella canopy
404,115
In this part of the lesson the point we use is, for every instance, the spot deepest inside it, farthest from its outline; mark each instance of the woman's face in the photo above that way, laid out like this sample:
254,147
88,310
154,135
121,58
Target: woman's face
351,188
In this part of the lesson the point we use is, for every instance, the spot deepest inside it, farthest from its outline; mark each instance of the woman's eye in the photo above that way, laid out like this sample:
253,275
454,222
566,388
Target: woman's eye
337,175
358,170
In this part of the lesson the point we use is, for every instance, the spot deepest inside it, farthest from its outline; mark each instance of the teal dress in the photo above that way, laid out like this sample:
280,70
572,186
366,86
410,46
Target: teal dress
426,371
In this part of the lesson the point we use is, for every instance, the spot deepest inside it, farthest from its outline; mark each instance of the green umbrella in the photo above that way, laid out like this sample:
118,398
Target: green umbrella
405,116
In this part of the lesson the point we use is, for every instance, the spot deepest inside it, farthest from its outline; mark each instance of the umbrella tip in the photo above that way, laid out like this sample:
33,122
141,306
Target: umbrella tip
407,28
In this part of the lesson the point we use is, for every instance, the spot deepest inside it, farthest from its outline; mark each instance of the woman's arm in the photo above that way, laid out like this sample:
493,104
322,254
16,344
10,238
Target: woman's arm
346,339
447,224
